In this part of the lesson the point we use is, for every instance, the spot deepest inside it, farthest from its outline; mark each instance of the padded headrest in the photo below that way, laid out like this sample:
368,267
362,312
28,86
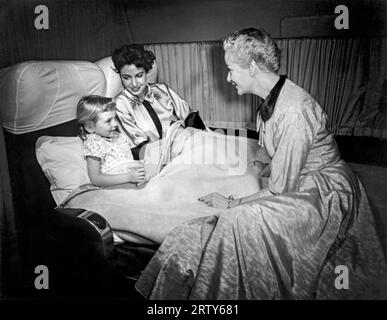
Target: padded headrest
40,94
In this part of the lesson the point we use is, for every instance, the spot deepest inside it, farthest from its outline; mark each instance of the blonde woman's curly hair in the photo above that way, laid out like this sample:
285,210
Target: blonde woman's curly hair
254,44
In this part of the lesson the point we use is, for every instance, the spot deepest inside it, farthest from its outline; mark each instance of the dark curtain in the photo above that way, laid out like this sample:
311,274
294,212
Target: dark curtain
9,249
334,71
372,120
78,30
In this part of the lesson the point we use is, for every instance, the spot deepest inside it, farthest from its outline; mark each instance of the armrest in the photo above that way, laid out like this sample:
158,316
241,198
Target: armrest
85,230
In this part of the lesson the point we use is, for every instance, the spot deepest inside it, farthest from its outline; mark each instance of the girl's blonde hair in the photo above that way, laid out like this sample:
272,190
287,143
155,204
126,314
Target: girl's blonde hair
88,109
254,44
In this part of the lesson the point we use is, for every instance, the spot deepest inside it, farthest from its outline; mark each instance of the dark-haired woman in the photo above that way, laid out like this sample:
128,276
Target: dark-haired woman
309,234
144,111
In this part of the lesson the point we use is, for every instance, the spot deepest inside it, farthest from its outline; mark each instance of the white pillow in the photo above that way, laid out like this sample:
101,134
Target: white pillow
113,80
62,161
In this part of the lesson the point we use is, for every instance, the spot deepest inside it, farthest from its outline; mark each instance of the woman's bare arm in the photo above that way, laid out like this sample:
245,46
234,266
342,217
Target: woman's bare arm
219,201
255,196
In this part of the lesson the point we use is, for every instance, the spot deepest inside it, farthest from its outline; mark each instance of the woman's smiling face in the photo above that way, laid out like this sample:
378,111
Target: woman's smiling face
134,79
237,75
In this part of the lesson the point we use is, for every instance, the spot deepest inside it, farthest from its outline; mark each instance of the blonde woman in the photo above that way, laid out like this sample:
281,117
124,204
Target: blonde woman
285,241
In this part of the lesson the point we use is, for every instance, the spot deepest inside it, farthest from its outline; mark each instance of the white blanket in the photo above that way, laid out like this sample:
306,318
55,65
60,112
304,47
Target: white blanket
201,163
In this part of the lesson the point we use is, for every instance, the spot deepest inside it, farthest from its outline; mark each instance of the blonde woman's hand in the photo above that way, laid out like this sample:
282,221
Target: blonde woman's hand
215,200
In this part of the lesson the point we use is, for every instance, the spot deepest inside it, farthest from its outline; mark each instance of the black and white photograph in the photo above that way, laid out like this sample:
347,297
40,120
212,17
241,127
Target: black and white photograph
206,150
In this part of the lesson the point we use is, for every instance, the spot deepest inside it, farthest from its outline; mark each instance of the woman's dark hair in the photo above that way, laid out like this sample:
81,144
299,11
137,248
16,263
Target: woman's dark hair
133,54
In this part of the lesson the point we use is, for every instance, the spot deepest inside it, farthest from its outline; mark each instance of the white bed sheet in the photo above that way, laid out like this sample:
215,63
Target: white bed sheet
208,162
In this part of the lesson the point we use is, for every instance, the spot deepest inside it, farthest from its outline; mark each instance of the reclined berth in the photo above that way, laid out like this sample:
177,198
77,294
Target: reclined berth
38,98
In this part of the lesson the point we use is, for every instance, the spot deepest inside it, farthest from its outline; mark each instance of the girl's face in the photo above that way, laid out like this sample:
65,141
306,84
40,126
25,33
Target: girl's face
105,124
237,75
134,79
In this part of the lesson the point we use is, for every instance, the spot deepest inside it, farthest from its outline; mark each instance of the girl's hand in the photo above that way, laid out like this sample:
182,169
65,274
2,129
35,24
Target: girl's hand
215,200
266,171
137,175
258,165
263,169
262,155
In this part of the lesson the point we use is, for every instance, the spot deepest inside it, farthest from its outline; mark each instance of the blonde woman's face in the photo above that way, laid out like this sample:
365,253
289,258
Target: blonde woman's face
134,79
237,75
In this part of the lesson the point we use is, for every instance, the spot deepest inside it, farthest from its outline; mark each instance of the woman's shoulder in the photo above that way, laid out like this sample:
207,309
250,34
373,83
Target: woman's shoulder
120,95
295,92
163,89
296,100
123,103
159,87
295,106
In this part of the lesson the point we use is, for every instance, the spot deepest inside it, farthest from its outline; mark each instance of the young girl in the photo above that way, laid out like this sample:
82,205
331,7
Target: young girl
108,153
